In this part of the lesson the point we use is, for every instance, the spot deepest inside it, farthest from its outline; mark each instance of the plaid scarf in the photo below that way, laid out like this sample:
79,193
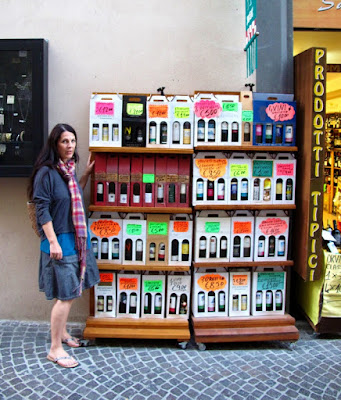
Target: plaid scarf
67,171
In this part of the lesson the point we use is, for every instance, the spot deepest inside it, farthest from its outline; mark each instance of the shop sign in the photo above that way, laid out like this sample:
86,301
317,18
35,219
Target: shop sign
317,14
316,187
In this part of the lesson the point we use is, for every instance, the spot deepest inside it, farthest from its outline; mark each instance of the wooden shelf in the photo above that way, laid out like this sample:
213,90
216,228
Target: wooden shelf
150,210
276,149
139,150
137,328
245,207
108,265
245,329
239,264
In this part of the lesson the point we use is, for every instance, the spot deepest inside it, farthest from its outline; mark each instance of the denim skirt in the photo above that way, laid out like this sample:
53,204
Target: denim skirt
59,279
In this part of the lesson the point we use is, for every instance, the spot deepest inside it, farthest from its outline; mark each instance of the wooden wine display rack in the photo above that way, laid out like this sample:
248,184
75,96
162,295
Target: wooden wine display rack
245,329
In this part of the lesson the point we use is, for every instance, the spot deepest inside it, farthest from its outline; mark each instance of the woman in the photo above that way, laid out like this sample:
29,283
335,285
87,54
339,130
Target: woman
67,263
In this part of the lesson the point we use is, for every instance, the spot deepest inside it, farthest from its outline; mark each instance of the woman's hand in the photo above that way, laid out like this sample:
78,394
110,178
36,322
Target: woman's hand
88,169
56,251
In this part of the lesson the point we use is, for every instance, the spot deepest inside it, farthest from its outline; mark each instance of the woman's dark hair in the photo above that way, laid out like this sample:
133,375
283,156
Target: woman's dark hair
49,155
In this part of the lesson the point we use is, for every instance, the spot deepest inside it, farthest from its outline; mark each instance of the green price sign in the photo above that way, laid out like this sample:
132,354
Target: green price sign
134,109
247,116
152,286
241,170
181,112
134,229
270,281
212,227
232,107
262,168
148,178
157,228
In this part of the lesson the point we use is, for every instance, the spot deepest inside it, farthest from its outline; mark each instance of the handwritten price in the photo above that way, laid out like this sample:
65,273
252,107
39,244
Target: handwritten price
104,108
105,228
212,282
128,284
207,109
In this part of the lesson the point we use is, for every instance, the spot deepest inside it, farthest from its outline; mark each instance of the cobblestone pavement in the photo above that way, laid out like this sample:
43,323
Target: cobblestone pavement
138,370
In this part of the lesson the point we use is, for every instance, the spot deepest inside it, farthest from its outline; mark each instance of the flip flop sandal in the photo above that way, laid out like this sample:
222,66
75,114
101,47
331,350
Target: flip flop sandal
57,361
72,339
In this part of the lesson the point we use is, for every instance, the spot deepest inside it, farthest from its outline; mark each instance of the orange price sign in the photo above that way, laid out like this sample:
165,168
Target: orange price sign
212,282
158,111
128,284
106,277
273,226
242,227
240,280
211,169
105,228
181,226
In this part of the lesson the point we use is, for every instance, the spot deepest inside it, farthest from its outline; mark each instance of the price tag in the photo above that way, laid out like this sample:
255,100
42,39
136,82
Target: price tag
153,286
177,284
103,108
212,227
242,227
180,226
106,277
212,282
211,169
247,116
157,228
158,111
270,281
134,229
134,109
240,280
148,178
105,228
207,109
262,168
128,284
239,170
273,226
181,112
231,107
280,111
285,169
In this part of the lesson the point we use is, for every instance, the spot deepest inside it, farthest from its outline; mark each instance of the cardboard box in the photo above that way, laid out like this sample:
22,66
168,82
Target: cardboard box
263,187
153,296
212,236
172,184
100,187
205,128
274,119
106,236
284,179
210,293
112,179
271,236
184,180
182,122
105,295
242,236
229,123
157,239
268,291
210,175
123,180
246,99
134,120
136,185
178,294
105,120
240,293
159,122
160,180
239,180
180,239
134,239
128,294
148,178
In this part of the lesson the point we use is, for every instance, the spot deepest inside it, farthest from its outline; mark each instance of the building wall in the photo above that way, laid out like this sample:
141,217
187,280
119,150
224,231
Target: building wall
108,46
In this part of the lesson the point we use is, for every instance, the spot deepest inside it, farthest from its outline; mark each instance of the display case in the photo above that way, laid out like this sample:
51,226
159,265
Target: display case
23,104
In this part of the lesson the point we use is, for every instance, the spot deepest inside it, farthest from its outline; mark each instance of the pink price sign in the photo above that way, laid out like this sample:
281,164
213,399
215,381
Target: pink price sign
103,108
273,226
285,169
280,111
207,109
